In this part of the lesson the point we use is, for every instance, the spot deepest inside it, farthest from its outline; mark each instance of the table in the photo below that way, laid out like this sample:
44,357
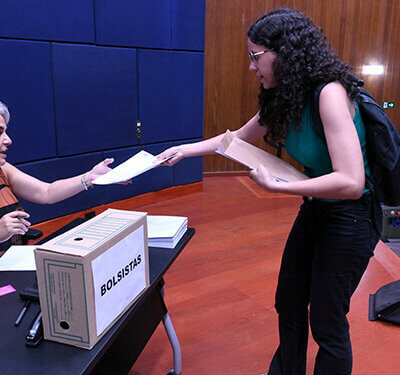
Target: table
114,354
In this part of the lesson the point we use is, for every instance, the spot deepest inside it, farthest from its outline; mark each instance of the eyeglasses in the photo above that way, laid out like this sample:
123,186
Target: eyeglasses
254,56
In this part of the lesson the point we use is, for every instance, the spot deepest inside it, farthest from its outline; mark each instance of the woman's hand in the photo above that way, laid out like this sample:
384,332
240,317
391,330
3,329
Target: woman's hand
262,176
13,223
173,154
102,168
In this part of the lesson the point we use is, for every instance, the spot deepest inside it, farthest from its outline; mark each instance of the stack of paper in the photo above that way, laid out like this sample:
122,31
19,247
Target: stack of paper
166,231
18,258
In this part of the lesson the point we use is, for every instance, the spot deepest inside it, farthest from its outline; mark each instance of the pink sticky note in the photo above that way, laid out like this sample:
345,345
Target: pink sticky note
6,289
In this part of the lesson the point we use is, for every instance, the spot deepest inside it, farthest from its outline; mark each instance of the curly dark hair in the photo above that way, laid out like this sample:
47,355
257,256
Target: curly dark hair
304,59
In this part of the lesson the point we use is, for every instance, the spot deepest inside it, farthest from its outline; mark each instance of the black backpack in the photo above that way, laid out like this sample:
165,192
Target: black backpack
385,303
382,144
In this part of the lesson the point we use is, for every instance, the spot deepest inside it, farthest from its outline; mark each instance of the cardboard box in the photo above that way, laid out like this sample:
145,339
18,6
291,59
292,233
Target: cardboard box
89,276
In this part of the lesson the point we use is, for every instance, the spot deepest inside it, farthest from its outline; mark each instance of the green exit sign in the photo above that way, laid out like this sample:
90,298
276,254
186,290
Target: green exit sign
388,105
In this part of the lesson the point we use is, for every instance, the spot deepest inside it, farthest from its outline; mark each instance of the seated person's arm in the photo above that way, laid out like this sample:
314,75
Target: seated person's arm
34,190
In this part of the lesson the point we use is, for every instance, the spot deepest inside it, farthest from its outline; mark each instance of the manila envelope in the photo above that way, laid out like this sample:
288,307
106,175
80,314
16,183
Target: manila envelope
238,150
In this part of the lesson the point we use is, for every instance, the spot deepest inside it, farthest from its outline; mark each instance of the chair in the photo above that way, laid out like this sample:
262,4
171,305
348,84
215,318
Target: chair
31,234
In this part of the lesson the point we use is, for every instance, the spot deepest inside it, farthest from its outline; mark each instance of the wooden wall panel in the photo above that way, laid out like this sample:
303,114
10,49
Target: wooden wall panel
360,31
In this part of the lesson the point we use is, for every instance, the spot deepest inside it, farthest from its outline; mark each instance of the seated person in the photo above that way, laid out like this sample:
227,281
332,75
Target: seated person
13,182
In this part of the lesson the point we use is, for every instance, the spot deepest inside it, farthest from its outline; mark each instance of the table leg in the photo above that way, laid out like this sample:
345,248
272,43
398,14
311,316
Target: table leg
173,339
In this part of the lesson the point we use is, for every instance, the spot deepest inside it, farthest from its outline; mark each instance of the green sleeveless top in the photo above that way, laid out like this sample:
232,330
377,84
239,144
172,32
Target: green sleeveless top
307,147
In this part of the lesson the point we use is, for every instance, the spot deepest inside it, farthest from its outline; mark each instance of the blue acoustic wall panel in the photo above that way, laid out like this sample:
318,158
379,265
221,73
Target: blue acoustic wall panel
58,20
26,88
170,95
96,97
188,24
51,170
78,74
153,180
188,170
134,23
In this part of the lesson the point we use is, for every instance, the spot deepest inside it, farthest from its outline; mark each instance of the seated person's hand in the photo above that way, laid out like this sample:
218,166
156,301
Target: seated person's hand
173,154
13,223
102,168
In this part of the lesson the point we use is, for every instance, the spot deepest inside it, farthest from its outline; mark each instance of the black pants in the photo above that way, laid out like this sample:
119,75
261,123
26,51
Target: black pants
326,254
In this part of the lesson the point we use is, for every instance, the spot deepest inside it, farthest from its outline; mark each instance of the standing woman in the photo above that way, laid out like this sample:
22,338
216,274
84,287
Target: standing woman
333,236
15,183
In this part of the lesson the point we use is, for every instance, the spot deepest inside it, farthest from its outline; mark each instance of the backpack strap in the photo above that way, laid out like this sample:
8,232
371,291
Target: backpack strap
314,103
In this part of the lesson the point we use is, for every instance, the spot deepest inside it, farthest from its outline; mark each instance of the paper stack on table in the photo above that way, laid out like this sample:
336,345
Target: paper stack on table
134,166
18,258
165,231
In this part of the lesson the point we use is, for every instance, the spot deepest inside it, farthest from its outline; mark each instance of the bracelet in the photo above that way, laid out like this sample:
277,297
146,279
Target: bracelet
85,185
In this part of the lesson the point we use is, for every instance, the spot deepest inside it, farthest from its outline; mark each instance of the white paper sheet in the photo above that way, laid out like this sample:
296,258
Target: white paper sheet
18,258
134,166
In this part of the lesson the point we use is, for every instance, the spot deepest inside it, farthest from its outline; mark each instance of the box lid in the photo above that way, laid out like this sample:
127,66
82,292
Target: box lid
93,233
